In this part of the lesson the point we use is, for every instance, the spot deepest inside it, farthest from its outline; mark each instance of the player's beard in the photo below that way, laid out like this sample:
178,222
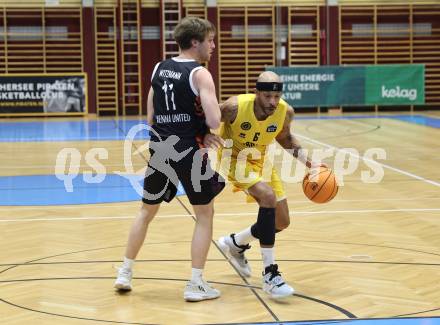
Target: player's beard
268,111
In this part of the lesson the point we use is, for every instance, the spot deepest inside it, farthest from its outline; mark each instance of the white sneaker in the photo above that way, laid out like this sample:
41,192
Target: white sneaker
123,281
235,254
273,283
199,291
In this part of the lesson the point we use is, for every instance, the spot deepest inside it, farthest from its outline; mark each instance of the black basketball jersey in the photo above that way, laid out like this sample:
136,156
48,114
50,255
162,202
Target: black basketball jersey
177,108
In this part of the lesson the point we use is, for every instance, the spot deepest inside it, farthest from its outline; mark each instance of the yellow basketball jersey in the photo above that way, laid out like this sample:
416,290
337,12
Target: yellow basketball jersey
247,132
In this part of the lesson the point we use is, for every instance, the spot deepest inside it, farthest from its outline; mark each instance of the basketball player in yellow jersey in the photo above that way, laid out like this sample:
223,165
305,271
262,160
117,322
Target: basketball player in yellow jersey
255,121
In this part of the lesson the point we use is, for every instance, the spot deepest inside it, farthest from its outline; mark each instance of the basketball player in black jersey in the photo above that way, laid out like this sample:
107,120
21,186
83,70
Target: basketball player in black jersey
182,106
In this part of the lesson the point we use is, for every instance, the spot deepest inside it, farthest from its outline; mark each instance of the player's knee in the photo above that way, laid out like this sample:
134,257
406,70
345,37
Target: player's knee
147,212
203,217
266,226
204,211
268,199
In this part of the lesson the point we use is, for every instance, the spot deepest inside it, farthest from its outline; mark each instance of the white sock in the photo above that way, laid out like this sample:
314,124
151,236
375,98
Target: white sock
244,237
268,256
128,263
196,275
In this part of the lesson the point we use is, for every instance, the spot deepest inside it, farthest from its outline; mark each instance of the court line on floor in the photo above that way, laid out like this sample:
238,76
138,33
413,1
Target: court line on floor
292,213
218,202
329,146
121,165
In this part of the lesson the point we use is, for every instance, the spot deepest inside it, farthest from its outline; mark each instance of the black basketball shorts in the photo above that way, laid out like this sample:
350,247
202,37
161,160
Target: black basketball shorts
163,175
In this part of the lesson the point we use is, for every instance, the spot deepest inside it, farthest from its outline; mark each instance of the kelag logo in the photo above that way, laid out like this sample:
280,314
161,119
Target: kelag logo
395,85
398,92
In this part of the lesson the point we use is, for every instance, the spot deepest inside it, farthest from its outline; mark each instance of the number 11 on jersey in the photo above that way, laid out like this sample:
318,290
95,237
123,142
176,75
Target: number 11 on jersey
165,90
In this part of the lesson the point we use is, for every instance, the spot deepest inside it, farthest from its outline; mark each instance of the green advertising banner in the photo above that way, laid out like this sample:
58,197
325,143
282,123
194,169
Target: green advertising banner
402,84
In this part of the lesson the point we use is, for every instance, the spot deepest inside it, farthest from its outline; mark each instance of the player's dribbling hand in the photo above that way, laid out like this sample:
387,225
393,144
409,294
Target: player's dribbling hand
213,141
314,170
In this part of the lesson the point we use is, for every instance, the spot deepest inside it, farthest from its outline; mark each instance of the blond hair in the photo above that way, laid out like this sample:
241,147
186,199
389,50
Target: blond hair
191,28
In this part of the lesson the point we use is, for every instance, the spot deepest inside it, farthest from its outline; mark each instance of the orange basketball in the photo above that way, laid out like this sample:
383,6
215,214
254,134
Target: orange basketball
322,187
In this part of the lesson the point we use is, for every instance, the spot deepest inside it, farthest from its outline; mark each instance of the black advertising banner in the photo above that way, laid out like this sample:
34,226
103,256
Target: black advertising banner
45,94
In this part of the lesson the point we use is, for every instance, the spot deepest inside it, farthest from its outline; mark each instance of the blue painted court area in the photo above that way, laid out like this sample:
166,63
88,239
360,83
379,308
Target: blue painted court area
51,190
382,321
421,120
117,129
70,130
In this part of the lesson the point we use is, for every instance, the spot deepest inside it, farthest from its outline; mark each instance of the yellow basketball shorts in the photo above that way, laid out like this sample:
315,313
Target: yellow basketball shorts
245,174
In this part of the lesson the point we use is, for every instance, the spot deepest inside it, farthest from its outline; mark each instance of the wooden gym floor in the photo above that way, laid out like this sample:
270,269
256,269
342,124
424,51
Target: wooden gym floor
373,252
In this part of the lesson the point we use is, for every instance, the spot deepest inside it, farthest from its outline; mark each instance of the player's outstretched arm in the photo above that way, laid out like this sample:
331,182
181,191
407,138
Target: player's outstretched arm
288,141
